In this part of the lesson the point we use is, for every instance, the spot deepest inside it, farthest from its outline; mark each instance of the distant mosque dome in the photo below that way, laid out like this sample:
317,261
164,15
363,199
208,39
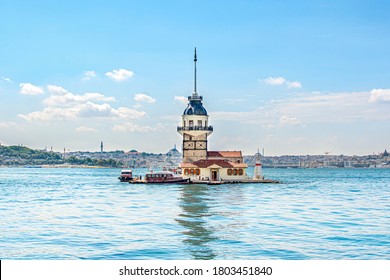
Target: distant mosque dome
195,107
173,152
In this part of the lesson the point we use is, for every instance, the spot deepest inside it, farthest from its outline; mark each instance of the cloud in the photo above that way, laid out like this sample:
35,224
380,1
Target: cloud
86,129
87,110
4,125
379,95
64,105
69,99
57,89
285,120
6,79
88,75
277,81
181,99
120,74
295,84
130,127
30,89
311,108
280,81
140,97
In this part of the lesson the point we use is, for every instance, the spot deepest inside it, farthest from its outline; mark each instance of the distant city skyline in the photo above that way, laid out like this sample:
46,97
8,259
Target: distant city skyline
294,78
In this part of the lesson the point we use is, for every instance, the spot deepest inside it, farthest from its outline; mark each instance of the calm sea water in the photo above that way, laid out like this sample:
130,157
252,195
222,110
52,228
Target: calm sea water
89,214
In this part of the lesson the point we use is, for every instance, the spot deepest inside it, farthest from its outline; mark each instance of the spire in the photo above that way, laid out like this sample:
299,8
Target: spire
195,60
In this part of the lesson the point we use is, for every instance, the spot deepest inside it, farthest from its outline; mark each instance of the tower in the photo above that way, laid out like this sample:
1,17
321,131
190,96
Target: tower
258,174
195,127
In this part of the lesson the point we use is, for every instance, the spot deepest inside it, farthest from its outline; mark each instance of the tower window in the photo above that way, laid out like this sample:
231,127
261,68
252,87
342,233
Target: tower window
191,123
199,123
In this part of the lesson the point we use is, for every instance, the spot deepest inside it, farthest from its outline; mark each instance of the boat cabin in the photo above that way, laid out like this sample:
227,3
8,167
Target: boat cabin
126,175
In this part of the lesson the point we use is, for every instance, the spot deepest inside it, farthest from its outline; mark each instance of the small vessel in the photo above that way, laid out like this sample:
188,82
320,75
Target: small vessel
161,177
126,175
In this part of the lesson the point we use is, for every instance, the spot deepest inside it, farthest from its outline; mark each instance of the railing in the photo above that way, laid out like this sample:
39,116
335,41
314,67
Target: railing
187,128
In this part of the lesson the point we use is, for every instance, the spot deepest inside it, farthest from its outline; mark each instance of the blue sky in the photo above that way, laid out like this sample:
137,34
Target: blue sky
293,77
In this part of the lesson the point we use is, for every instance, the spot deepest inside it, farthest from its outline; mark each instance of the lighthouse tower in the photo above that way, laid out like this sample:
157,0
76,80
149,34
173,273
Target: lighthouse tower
195,127
257,174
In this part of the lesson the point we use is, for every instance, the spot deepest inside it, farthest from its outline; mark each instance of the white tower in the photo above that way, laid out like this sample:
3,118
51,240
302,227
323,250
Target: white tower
195,128
258,173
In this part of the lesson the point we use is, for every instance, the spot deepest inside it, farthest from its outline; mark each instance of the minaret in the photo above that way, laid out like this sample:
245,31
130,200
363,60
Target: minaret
101,150
195,128
257,174
195,60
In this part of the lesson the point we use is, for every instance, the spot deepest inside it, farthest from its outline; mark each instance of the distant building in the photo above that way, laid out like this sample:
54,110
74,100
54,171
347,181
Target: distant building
198,162
173,152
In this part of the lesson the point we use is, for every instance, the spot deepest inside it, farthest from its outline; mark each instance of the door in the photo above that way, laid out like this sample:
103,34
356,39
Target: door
214,175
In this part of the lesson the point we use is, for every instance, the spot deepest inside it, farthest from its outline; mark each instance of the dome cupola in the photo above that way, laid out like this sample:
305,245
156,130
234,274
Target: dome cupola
195,106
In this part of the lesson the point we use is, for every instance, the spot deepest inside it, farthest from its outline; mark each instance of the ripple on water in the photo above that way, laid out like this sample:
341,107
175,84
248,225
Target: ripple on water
88,214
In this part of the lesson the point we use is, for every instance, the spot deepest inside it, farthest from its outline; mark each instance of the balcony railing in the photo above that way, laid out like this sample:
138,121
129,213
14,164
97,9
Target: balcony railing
190,128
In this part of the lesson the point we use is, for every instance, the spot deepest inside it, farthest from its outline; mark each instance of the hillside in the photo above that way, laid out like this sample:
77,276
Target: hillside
18,155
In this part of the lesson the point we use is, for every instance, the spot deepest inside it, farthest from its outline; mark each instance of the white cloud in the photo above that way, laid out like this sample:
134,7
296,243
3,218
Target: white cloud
64,105
120,74
274,81
379,95
309,108
130,127
181,99
6,79
280,81
4,125
285,120
88,75
56,89
30,89
86,129
87,110
140,97
69,99
295,84
127,113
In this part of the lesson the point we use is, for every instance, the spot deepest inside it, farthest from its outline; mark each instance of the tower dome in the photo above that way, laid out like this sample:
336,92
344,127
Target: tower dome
195,107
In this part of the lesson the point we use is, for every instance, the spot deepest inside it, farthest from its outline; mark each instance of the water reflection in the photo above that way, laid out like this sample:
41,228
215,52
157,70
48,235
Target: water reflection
198,235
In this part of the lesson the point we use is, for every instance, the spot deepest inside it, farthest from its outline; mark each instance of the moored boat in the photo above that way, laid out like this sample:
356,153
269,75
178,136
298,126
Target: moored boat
161,177
126,175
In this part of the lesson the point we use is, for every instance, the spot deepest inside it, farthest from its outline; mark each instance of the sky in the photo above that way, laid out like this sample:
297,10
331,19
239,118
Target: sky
289,77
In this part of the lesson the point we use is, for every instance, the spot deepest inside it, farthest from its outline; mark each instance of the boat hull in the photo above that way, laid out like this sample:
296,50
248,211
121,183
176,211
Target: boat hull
125,179
162,182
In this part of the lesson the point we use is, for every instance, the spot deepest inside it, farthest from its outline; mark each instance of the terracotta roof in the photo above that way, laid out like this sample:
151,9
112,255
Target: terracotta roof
207,163
228,154
239,165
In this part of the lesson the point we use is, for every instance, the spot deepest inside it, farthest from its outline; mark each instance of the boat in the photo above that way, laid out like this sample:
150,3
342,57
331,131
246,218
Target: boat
126,175
160,177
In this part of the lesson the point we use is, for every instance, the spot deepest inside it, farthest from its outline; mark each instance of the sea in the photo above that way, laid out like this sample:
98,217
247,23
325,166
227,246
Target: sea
81,213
